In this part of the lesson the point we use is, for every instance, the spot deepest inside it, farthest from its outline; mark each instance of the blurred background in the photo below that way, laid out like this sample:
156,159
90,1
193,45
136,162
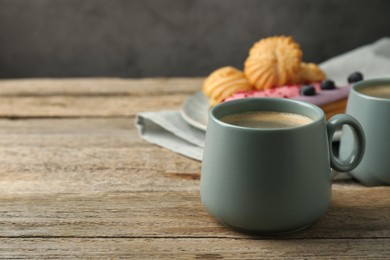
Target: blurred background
150,38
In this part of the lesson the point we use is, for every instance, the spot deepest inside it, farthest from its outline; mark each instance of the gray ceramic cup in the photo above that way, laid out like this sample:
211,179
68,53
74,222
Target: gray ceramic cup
373,113
271,180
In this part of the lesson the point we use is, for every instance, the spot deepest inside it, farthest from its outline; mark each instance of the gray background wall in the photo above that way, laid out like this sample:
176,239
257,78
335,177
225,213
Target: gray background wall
139,38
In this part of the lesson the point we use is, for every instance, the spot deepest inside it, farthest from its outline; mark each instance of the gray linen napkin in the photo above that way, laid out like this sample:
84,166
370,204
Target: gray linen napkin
169,130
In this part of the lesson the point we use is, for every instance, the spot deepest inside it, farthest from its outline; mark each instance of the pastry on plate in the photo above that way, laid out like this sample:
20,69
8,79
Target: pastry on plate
223,83
273,62
308,73
274,68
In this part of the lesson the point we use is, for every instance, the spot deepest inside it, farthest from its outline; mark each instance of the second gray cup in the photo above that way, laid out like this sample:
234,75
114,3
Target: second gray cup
369,103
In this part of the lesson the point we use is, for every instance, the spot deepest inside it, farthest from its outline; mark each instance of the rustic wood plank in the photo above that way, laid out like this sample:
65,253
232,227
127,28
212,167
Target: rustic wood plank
80,132
355,213
92,97
52,177
89,155
210,248
98,86
84,106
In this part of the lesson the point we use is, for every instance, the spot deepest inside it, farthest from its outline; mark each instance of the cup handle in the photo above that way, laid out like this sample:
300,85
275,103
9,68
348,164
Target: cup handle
359,145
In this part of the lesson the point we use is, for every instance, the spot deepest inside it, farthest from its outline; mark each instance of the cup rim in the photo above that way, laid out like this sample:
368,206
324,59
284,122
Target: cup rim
318,117
370,83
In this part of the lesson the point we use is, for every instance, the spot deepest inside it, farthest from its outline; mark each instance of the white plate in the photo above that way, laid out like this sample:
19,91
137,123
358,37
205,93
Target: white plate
195,112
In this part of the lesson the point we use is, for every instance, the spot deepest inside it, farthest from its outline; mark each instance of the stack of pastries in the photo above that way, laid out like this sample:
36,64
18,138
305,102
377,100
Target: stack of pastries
274,68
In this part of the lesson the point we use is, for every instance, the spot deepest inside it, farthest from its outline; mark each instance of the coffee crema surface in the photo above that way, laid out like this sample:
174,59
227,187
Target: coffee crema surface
376,91
267,119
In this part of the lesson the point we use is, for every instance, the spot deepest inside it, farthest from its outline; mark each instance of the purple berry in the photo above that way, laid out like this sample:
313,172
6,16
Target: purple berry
328,84
307,90
355,77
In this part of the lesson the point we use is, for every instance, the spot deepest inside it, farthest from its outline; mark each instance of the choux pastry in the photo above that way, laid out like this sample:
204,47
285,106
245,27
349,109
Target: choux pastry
223,83
273,62
308,73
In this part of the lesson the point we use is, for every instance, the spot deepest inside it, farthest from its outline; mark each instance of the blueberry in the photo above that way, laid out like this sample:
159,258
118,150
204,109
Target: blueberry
307,90
355,77
327,84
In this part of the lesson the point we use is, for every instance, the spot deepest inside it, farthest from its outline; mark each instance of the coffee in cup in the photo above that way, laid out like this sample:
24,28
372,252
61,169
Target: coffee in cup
381,91
267,119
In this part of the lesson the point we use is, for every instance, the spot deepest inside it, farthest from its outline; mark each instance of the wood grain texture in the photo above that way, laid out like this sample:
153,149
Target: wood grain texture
202,248
97,106
107,97
354,213
80,183
98,87
86,155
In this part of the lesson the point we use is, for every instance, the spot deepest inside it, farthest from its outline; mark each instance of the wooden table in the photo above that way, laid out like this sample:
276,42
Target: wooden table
77,181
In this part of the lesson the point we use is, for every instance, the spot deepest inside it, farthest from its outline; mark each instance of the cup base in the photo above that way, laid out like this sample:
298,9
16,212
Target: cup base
265,233
368,180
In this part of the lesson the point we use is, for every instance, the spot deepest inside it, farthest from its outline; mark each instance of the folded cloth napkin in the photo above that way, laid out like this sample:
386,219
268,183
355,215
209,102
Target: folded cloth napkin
169,130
